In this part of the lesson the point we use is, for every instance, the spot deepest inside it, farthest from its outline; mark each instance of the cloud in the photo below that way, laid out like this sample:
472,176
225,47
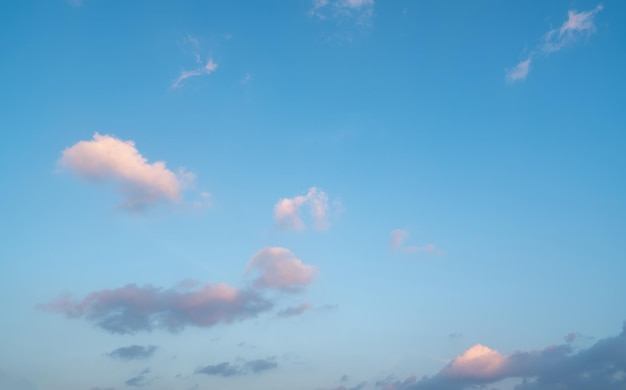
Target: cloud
207,69
131,309
359,386
294,310
279,269
577,25
227,369
361,11
287,210
455,335
519,71
133,352
601,366
139,380
398,244
390,383
107,159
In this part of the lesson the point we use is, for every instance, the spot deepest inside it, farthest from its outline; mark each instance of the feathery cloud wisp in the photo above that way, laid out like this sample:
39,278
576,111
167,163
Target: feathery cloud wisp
207,69
577,25
109,159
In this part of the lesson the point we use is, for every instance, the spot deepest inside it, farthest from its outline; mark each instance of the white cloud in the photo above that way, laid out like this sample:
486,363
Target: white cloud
519,71
577,25
207,69
361,11
287,210
109,159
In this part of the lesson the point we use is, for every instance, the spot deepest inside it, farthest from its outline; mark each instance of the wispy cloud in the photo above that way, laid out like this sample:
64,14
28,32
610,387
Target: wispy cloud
106,159
133,352
207,69
398,244
294,310
577,26
278,268
243,367
361,11
132,309
140,380
287,210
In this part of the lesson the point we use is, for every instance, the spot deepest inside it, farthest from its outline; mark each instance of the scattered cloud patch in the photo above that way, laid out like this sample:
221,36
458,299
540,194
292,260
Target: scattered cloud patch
398,244
133,352
106,159
360,11
577,26
287,210
132,309
279,269
294,310
227,369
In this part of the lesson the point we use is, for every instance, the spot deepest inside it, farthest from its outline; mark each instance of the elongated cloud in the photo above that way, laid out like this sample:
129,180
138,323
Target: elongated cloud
294,310
133,352
577,26
207,69
398,244
278,268
227,369
601,366
106,159
287,210
132,309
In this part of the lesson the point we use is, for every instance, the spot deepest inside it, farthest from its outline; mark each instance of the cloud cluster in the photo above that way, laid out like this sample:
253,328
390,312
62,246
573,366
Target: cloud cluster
287,210
577,25
278,268
132,309
106,159
601,366
242,367
133,352
398,244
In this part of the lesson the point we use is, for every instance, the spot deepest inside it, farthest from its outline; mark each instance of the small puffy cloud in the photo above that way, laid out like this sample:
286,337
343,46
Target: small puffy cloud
106,159
206,69
519,71
577,25
398,244
279,269
133,352
287,210
242,367
131,308
294,310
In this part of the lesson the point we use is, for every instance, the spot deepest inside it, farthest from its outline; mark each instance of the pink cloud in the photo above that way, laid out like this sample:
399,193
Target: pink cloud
130,309
278,268
109,159
287,210
519,71
398,244
478,362
576,25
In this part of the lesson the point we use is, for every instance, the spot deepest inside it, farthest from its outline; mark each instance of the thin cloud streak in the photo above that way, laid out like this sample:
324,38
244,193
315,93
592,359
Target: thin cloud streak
207,69
577,25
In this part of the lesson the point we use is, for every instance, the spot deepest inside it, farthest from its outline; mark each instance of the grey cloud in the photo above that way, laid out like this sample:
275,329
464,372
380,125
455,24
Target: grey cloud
226,369
133,352
140,380
131,308
601,366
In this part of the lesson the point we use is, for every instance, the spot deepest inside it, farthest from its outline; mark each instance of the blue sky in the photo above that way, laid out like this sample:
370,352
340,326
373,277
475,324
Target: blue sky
313,194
